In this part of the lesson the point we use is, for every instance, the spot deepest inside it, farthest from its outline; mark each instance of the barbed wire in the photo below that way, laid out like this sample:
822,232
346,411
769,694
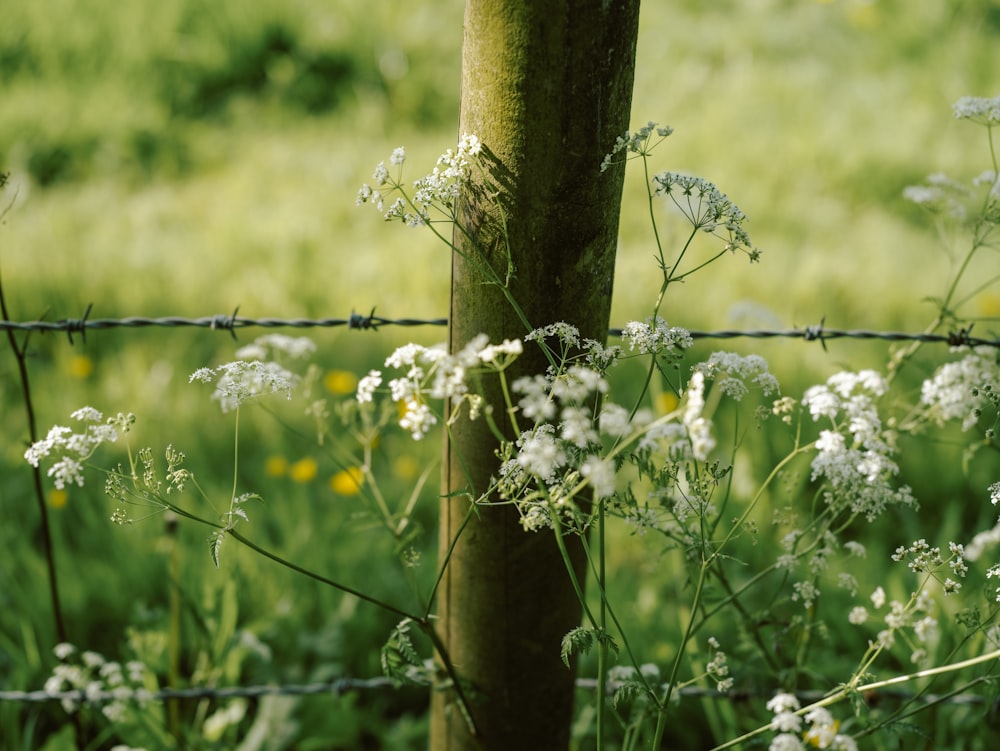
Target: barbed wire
342,686
371,322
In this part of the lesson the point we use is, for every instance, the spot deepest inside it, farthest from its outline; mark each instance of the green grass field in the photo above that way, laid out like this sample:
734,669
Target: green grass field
183,158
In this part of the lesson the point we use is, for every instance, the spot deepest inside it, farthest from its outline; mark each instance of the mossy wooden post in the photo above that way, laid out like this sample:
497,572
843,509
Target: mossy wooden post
547,86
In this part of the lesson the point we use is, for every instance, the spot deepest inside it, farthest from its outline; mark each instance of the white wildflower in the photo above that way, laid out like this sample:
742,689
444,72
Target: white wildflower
956,390
858,615
735,374
614,421
655,337
983,110
367,386
240,381
601,474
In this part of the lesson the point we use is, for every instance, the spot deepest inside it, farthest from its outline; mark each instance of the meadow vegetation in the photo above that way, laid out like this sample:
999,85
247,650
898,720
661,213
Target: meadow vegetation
183,158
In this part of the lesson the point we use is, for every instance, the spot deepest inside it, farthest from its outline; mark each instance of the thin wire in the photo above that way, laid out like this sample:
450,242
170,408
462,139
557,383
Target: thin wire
371,322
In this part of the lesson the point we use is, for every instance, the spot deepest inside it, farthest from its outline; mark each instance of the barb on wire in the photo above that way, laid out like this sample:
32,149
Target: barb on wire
362,322
79,326
371,322
224,323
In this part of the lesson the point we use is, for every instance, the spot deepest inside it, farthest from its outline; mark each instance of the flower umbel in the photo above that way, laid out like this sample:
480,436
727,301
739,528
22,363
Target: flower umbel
707,208
983,110
75,448
640,142
436,191
240,381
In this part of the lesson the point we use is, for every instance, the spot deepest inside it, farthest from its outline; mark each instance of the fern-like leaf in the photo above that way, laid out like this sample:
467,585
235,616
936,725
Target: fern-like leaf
578,641
215,546
626,692
399,655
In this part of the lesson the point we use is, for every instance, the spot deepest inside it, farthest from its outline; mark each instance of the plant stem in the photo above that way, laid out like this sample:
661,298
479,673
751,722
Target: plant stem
602,646
20,355
852,687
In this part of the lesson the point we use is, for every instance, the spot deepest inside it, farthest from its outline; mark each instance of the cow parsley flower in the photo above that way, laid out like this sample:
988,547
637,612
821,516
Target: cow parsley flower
535,402
437,190
982,110
614,421
541,453
72,449
433,373
854,456
699,428
639,143
732,372
707,208
655,337
500,354
601,474
240,381
367,386
858,615
958,390
941,194
786,742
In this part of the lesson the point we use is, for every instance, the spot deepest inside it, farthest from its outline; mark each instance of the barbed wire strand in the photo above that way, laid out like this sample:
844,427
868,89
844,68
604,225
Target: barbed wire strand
343,686
371,322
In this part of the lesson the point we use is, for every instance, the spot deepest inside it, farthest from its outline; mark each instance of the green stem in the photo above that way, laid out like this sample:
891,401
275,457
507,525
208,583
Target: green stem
313,575
661,715
852,687
602,646
650,196
447,557
48,548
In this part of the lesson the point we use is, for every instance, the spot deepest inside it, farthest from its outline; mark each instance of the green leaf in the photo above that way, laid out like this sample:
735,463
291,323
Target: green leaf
627,692
578,641
215,546
399,655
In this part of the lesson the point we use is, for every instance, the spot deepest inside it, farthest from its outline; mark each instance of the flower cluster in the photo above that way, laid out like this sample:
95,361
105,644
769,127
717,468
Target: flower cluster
960,390
822,731
975,549
854,458
901,618
98,679
922,558
698,427
75,448
432,373
636,143
707,208
655,336
438,189
241,380
553,460
941,193
718,667
983,110
732,373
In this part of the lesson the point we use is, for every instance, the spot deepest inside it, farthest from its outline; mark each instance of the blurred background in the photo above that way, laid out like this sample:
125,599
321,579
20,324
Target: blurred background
185,158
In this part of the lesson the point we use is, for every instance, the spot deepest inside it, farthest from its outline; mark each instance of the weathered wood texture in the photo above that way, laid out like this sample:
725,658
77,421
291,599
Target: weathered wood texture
547,87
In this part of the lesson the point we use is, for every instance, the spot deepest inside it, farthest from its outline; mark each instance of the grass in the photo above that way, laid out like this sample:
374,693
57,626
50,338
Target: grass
186,160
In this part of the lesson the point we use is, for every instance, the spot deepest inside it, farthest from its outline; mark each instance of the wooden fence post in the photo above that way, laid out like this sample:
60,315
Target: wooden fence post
546,86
